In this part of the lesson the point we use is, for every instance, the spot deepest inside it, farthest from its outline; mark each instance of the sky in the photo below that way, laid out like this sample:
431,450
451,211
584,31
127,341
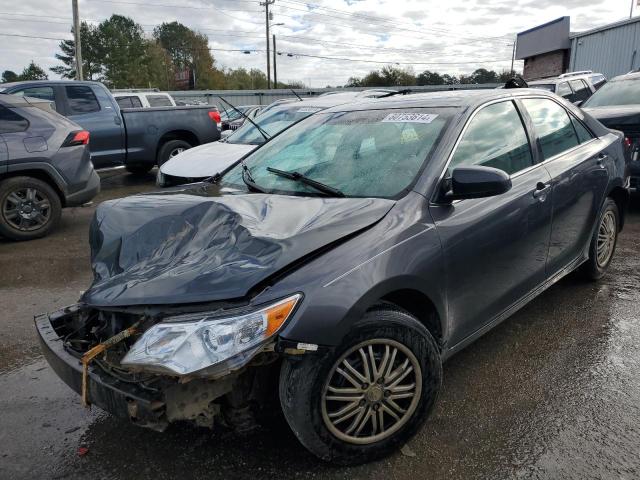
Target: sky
453,36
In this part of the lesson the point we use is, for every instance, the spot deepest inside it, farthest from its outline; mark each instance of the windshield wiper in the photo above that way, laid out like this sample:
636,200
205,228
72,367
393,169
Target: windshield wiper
298,177
248,180
246,117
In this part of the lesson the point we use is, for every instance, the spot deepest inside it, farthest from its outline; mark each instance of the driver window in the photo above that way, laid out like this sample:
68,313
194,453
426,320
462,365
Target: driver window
496,138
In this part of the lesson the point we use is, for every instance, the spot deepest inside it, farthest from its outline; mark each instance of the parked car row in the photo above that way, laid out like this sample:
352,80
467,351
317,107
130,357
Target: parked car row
338,252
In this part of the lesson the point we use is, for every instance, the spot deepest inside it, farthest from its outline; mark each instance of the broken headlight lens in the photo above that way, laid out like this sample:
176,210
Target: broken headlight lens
202,342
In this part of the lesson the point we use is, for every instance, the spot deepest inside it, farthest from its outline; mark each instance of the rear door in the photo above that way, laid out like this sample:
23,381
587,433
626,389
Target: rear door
577,164
92,109
495,249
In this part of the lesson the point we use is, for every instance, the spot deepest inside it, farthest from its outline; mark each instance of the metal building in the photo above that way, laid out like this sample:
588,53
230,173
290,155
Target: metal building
550,49
612,49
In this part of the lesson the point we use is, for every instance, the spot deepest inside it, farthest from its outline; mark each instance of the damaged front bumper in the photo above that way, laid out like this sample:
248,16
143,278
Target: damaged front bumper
169,399
121,399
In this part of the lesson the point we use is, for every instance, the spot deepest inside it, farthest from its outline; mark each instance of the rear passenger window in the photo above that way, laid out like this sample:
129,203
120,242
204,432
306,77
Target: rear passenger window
81,99
581,89
11,122
553,126
43,93
135,102
124,102
158,101
495,138
584,135
564,90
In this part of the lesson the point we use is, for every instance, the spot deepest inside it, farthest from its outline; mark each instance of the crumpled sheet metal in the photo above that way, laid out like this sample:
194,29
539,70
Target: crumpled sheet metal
156,249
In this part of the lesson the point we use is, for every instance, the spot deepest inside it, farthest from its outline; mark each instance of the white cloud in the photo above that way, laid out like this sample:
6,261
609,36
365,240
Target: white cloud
456,37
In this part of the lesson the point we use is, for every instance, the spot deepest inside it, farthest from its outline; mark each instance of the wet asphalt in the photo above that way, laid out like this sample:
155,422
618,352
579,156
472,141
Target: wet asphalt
553,392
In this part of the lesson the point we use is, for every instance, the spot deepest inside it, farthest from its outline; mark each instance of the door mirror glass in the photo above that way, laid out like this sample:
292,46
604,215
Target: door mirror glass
477,182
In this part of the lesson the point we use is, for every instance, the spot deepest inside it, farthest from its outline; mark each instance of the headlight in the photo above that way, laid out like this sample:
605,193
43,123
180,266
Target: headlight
200,342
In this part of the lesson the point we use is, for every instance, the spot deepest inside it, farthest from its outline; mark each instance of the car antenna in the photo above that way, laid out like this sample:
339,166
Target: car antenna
246,117
294,92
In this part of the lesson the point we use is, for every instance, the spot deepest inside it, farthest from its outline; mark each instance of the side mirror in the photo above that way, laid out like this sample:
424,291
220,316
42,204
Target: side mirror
477,182
577,103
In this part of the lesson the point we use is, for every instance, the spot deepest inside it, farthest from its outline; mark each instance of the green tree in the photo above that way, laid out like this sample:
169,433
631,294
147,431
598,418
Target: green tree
450,79
33,72
482,75
429,78
91,54
189,50
159,67
9,76
123,52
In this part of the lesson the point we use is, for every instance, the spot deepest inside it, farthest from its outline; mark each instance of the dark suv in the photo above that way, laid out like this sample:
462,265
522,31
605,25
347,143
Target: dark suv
339,265
574,86
45,165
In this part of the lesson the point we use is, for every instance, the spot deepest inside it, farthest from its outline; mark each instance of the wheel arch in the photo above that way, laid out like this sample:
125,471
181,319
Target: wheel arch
621,196
185,135
40,174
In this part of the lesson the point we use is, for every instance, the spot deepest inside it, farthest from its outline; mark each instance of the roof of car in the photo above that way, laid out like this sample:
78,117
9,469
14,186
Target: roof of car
565,78
451,98
635,75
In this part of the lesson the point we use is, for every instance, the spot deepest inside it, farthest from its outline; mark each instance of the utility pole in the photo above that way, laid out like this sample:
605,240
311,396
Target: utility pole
275,70
76,34
267,19
513,55
631,10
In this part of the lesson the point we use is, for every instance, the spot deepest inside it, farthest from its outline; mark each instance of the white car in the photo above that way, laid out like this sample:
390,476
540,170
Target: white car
144,99
205,161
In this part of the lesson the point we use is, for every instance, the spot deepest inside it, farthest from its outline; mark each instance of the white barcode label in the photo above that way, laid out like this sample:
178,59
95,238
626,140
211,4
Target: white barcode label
410,117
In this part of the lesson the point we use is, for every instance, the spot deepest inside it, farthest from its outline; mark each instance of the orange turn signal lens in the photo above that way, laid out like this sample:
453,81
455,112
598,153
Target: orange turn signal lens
278,314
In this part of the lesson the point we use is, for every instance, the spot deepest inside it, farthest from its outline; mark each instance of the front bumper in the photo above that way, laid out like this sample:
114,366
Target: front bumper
163,180
121,399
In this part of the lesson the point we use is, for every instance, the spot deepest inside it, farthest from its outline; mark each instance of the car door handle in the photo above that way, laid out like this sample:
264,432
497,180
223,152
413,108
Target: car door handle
541,191
601,158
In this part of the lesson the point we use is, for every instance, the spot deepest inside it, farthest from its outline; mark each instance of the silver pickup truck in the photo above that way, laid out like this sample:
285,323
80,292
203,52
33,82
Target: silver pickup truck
138,138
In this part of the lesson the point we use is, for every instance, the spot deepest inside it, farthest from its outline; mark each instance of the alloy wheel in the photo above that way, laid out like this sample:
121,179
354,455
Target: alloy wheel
176,151
606,238
27,209
371,392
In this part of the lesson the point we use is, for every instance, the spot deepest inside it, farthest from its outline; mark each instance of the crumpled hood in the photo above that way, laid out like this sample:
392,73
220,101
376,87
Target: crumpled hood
206,160
616,116
187,246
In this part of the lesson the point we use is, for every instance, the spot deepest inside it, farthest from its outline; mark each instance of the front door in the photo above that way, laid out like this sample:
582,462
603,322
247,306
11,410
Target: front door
495,249
577,165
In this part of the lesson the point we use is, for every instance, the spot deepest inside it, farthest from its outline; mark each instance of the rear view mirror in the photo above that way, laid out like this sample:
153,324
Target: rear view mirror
477,182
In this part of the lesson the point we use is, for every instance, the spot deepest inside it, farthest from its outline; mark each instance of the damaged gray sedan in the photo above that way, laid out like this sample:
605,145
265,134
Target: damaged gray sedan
338,266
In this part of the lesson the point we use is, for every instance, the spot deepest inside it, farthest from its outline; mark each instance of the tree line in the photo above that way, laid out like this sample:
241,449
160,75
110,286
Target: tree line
117,53
390,76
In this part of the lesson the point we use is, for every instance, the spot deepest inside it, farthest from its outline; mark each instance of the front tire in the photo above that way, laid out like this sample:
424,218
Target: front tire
171,149
366,398
603,242
29,208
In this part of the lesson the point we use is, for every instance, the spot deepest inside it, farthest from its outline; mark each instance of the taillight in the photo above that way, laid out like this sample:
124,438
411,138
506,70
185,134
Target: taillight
215,116
627,142
77,138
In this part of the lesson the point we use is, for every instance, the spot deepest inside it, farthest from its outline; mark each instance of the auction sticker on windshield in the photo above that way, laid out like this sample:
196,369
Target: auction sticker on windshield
410,117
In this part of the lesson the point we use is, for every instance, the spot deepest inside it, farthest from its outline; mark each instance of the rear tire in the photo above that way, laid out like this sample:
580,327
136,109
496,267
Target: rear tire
309,386
170,149
29,208
603,242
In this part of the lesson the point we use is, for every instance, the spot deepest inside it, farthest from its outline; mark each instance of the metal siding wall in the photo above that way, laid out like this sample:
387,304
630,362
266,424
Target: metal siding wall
612,52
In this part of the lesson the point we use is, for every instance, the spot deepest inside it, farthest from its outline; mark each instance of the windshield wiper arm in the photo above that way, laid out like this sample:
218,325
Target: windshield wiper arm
246,117
298,177
248,180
